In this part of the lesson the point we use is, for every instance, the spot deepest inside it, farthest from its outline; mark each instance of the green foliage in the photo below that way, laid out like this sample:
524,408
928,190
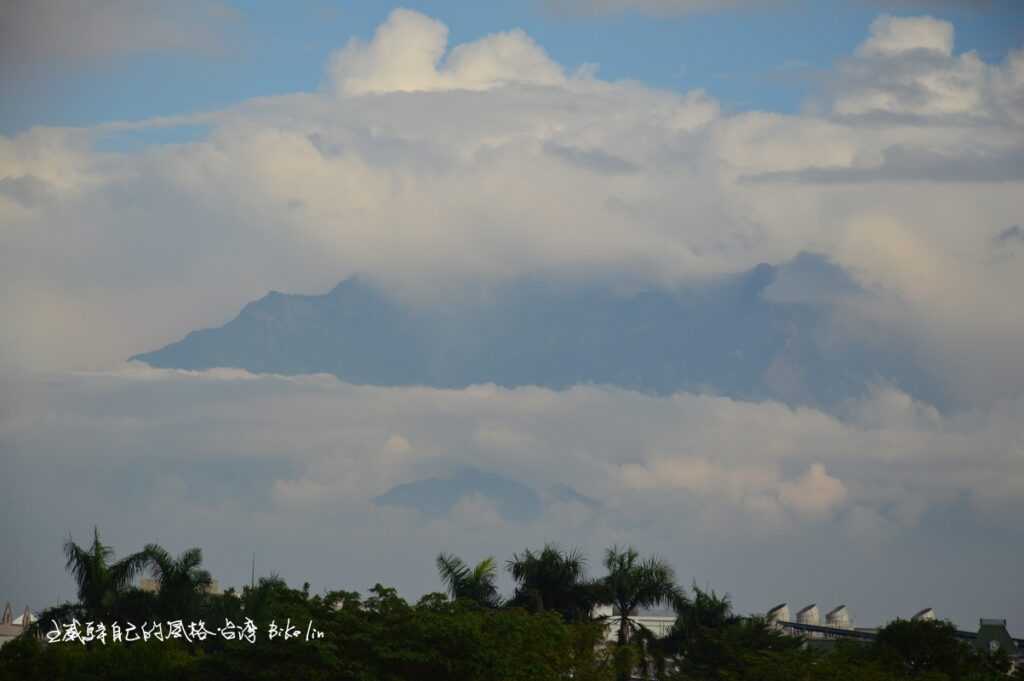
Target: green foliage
553,580
920,649
709,641
472,584
181,580
99,581
29,658
633,583
919,646
544,633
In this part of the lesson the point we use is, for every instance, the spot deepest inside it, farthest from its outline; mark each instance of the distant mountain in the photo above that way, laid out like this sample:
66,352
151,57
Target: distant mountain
436,496
765,333
513,500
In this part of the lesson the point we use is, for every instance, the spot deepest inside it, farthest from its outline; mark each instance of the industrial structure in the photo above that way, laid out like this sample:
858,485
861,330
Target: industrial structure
992,634
11,627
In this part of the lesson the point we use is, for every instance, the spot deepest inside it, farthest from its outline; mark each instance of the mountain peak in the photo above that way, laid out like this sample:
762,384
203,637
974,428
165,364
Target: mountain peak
737,337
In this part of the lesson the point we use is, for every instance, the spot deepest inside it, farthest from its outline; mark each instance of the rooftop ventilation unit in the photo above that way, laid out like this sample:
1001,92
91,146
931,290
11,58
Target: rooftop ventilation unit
809,615
839,618
780,613
925,615
989,622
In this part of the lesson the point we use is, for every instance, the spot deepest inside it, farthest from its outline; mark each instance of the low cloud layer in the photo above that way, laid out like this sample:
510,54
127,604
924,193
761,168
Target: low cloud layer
765,501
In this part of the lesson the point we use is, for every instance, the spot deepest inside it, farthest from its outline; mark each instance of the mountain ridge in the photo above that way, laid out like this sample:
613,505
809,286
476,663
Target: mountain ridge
765,333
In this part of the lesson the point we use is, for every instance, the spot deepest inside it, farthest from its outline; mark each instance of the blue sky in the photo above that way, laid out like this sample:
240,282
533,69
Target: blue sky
760,58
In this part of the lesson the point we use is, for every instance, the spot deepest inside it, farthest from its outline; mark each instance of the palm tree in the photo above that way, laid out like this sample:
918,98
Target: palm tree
633,583
698,635
706,610
708,636
181,580
100,582
553,580
476,584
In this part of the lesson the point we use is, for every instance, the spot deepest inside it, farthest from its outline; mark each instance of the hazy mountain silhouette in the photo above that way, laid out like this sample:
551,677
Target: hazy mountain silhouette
436,496
765,333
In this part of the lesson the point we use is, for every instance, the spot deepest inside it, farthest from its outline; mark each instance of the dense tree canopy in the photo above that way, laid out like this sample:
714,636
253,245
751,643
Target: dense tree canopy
551,579
545,632
100,582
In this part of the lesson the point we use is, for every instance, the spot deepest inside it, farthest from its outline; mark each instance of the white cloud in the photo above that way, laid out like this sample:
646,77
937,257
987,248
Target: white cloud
406,52
891,36
288,467
907,67
814,492
443,170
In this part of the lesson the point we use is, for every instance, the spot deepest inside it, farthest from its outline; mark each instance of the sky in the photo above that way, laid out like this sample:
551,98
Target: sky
162,164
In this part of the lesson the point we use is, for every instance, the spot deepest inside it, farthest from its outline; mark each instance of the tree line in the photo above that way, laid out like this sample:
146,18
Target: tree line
549,629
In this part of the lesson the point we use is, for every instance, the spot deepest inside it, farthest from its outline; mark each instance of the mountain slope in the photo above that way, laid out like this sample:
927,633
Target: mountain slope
765,333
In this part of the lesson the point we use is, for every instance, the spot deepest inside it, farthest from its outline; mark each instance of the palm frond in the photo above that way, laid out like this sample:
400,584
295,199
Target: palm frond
79,564
160,562
485,570
453,572
125,570
190,559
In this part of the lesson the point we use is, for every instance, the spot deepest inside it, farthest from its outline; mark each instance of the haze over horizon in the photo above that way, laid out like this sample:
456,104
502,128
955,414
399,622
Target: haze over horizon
738,286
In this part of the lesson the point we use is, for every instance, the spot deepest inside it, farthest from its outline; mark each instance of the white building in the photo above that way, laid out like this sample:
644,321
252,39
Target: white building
153,586
11,627
659,624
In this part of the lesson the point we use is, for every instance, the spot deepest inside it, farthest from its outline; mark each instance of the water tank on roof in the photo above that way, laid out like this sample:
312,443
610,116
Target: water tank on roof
780,613
839,618
809,615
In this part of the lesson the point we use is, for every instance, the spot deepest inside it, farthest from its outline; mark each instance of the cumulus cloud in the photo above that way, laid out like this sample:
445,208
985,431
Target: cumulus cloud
892,36
406,52
814,492
441,170
907,68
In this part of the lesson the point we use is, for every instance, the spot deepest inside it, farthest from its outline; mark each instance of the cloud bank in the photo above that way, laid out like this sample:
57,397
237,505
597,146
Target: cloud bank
440,170
769,502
